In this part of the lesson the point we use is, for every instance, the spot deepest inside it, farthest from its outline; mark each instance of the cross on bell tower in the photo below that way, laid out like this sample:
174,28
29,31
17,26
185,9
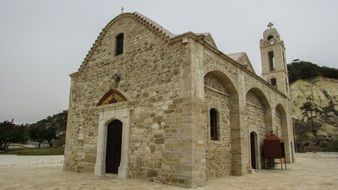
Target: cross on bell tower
270,25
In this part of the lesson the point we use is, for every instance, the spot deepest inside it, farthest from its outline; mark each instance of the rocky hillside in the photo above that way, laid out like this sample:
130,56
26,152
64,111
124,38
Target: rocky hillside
321,90
315,105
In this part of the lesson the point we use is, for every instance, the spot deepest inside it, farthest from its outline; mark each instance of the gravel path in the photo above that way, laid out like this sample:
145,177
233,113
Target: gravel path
309,173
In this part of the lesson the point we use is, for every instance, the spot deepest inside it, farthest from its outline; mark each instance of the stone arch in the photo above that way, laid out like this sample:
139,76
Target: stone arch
221,85
256,98
282,121
258,116
226,80
111,97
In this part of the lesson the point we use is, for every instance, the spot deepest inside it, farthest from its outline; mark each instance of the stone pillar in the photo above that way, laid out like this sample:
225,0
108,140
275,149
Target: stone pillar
198,131
69,132
289,151
239,135
192,117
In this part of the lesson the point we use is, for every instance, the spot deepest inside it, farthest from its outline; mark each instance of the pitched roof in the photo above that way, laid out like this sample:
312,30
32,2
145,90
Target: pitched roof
154,24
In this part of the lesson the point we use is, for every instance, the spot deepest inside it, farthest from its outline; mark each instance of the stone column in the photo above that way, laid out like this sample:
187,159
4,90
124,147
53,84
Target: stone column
239,135
193,91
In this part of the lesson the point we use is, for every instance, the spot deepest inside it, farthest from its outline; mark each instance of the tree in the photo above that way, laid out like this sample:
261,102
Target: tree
10,133
50,134
41,133
308,108
307,70
35,133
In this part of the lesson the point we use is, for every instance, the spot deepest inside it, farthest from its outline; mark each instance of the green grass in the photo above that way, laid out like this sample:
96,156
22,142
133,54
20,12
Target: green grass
36,151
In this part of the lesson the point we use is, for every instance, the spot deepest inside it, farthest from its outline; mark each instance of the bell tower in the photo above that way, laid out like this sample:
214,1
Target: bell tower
274,68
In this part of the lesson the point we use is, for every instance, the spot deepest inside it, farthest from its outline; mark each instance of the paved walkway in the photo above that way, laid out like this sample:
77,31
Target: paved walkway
309,173
30,161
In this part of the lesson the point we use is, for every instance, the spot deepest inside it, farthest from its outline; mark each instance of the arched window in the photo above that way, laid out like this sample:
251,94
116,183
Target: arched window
119,44
214,124
273,81
271,61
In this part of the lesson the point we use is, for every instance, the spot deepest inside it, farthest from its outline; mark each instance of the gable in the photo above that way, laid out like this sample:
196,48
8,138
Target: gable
126,18
111,97
207,38
243,59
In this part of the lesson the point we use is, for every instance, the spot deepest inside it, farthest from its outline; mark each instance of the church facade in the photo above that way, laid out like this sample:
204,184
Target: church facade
148,104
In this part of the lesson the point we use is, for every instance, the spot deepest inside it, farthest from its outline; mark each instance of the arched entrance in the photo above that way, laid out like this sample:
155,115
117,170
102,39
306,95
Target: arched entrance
113,148
113,135
253,148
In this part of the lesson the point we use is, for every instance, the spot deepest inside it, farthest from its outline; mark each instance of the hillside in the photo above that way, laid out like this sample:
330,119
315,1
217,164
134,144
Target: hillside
317,97
307,70
56,122
320,89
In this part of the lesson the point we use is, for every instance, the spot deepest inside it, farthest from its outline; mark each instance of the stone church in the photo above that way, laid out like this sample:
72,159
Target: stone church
152,105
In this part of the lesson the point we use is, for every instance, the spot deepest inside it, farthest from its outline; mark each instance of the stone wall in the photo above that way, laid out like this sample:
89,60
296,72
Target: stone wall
256,116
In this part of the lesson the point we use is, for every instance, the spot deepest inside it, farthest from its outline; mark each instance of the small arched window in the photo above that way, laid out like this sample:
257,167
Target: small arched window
273,81
119,44
214,124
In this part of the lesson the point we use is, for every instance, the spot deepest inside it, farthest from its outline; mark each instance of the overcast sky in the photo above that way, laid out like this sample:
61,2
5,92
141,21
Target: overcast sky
43,41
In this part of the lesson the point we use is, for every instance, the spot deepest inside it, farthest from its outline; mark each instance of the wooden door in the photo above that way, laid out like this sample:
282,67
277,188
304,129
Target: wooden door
253,150
113,151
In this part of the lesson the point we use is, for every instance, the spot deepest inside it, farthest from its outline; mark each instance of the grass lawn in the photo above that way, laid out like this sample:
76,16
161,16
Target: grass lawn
36,151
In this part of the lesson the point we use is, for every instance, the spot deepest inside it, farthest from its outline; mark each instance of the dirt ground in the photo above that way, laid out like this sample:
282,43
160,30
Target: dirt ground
310,172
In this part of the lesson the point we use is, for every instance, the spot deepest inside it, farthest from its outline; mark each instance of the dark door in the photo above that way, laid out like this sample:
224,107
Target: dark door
253,150
113,151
